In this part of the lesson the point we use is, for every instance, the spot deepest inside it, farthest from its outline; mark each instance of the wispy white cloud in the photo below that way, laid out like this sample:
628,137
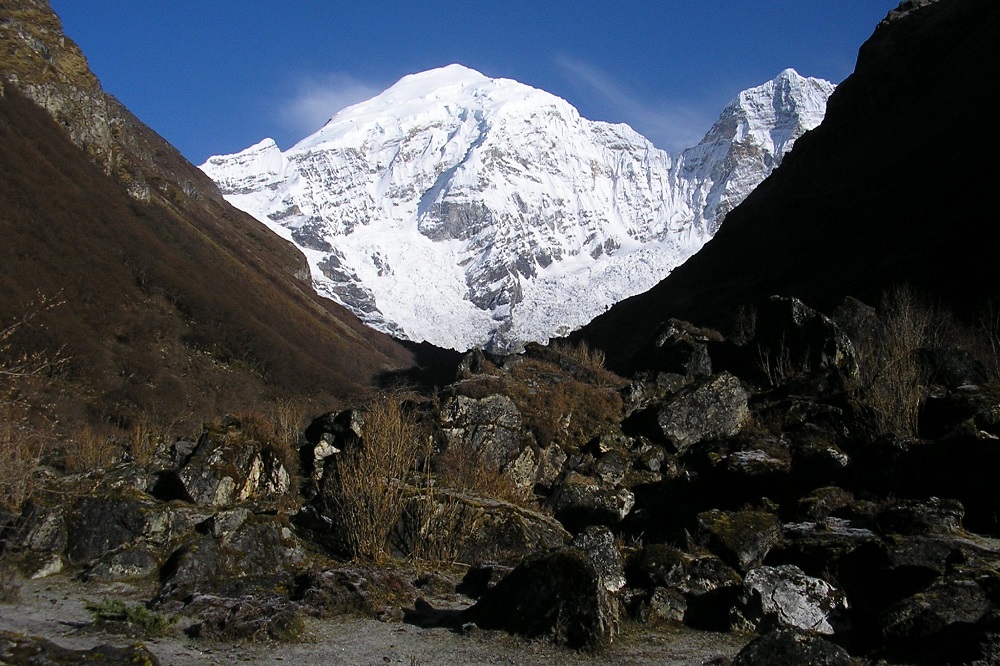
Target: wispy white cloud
668,125
315,99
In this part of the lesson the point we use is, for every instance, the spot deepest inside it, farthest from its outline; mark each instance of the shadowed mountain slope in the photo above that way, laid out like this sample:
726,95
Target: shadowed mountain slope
895,186
174,302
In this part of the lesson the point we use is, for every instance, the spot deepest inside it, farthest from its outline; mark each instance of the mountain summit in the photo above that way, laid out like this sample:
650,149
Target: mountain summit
471,211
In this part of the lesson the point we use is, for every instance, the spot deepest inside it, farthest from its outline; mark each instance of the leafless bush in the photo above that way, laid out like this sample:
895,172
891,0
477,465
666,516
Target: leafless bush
888,386
369,494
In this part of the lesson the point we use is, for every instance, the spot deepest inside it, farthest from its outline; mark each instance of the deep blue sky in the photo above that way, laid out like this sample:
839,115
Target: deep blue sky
215,76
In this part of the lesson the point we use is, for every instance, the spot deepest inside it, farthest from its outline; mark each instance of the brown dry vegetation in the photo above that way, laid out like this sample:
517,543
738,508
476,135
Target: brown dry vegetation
173,310
369,493
564,394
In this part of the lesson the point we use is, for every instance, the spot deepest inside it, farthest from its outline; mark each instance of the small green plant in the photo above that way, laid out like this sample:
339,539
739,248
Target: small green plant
147,622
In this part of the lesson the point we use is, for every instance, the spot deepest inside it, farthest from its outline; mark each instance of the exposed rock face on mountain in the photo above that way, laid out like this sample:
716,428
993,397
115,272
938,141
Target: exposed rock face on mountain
896,186
173,301
469,211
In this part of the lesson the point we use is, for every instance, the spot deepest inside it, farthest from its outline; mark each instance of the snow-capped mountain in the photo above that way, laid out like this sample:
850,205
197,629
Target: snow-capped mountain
469,211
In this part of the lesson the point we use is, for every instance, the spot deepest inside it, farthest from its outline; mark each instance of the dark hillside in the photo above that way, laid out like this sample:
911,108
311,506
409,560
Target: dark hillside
897,185
174,304
159,315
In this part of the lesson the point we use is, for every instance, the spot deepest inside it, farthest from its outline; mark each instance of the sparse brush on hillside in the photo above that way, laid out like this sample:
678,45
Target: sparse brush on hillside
23,422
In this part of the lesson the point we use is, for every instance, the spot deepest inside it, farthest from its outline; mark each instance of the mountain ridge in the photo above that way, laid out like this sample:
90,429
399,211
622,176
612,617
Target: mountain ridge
471,211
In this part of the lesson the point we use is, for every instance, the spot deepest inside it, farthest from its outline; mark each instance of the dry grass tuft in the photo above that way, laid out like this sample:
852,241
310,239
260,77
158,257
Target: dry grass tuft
463,468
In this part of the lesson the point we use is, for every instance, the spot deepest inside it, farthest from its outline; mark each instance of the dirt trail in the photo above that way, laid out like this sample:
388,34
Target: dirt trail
54,608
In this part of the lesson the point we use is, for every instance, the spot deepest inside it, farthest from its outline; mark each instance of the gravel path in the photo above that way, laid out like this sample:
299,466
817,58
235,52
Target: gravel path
54,608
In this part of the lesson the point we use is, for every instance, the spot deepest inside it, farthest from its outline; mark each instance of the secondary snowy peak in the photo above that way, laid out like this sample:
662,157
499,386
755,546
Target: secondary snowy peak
748,140
471,211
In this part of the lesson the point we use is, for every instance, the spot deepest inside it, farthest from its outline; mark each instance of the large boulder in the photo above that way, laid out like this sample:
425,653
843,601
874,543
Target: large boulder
918,517
489,428
599,544
957,600
713,407
792,647
784,596
229,467
231,553
681,349
559,594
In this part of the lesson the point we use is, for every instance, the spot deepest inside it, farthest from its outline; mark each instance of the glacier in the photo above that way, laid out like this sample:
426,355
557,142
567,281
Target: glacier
470,211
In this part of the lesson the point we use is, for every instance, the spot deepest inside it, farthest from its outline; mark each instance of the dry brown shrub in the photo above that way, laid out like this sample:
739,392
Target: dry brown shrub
92,448
888,386
24,425
590,359
370,478
558,408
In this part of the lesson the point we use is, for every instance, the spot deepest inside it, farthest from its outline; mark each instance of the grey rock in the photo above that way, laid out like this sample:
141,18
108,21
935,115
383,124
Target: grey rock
714,407
785,596
599,544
